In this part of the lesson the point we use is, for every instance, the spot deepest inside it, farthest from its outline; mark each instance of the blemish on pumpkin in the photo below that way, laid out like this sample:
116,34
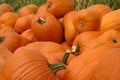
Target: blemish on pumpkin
114,41
2,39
82,24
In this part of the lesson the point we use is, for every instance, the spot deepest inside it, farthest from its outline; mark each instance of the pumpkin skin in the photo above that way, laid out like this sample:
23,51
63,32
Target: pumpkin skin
110,38
83,66
109,66
69,28
8,19
27,64
85,20
42,9
47,28
28,9
29,35
23,23
110,21
59,8
84,38
5,54
10,40
66,45
6,29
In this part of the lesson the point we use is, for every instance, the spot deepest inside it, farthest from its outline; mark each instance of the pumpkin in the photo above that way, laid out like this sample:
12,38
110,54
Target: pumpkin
83,66
47,28
5,7
24,41
82,39
29,35
23,23
28,9
110,21
5,54
100,9
66,45
27,64
42,9
69,29
31,16
59,8
110,38
85,20
108,67
6,29
8,19
10,40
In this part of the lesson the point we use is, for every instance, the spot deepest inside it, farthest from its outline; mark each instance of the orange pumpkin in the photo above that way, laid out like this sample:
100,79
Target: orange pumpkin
83,66
8,19
82,39
5,54
66,45
42,10
5,7
22,24
69,28
108,67
10,40
110,21
59,8
27,64
6,29
24,41
85,20
110,38
47,28
28,9
29,35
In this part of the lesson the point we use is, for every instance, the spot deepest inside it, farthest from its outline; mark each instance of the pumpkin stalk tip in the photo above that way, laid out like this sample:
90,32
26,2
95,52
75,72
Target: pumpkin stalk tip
41,20
75,49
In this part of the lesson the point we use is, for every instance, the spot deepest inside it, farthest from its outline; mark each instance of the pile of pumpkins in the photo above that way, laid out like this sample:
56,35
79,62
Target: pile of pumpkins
55,42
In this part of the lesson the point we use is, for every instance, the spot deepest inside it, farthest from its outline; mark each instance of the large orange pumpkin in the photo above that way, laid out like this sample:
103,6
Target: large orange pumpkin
10,40
27,64
83,66
69,29
85,20
59,8
28,9
47,28
108,67
110,21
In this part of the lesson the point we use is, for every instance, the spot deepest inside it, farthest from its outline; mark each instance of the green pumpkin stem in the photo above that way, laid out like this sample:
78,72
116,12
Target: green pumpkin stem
62,65
2,39
75,50
41,20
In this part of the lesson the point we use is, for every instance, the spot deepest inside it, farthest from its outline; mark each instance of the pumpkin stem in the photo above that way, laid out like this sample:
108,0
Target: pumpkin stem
61,65
2,39
41,20
75,49
114,41
49,4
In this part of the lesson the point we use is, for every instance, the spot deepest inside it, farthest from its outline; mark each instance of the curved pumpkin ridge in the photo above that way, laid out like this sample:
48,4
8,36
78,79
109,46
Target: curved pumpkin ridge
25,62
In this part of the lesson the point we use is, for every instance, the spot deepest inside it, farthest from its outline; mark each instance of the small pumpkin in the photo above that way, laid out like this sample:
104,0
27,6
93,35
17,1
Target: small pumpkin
59,8
8,19
110,21
82,39
27,64
28,9
69,29
66,45
108,67
29,35
42,9
47,28
23,23
85,20
10,40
